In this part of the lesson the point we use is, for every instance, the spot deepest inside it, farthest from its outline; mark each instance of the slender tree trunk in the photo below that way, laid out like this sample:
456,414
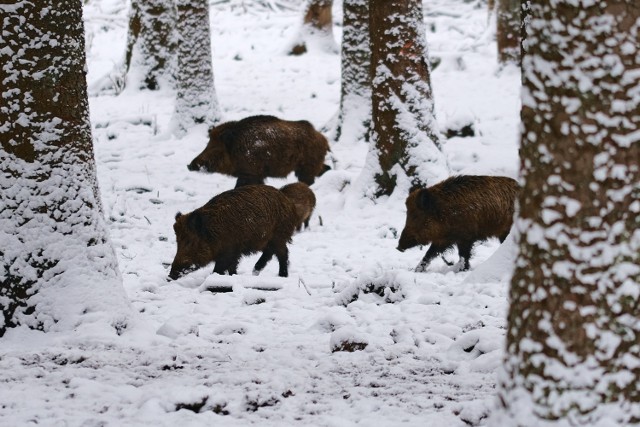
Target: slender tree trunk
150,43
196,100
573,352
405,133
508,31
317,27
57,267
354,116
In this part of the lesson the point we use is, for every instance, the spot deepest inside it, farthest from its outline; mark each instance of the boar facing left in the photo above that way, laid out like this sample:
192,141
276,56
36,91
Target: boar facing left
235,223
258,147
459,211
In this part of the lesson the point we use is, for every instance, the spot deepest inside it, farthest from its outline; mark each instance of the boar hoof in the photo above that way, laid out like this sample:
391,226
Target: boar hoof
421,268
256,272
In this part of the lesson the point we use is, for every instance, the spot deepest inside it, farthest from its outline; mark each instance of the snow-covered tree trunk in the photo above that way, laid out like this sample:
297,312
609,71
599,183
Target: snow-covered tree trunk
196,100
149,59
57,267
508,31
317,28
573,338
405,135
354,116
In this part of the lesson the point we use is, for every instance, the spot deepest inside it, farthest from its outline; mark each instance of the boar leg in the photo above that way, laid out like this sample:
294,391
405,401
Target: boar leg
433,251
464,251
233,266
267,254
282,253
248,180
304,176
227,263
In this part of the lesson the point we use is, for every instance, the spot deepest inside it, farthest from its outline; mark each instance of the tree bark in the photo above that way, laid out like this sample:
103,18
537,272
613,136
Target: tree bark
355,93
404,127
150,42
573,352
57,267
508,31
196,100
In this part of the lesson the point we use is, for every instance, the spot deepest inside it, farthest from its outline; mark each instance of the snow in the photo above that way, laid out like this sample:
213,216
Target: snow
209,349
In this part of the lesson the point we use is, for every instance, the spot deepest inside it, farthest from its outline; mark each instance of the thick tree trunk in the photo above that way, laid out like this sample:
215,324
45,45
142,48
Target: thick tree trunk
573,352
404,127
196,100
354,116
317,27
57,267
150,43
508,31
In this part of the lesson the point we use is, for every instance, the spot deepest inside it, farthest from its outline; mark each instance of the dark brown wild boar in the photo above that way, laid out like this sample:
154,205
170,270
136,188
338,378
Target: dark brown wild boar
264,146
232,224
303,199
459,211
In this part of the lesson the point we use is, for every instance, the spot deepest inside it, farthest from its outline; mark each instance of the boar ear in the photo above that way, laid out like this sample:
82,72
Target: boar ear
178,215
227,137
425,200
414,187
196,223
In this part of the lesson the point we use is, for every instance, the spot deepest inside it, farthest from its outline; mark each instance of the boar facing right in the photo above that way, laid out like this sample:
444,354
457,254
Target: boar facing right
461,211
303,199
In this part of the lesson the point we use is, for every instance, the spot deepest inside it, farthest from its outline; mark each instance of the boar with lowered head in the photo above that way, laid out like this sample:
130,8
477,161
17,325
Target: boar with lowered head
264,146
232,224
458,211
303,199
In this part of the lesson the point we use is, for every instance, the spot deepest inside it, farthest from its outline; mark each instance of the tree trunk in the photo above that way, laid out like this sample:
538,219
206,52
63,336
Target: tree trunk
57,267
508,31
354,116
150,43
573,353
404,127
196,100
317,27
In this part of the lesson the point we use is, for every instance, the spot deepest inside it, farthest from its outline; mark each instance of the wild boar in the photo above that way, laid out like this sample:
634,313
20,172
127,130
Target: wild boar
264,146
235,223
460,211
303,199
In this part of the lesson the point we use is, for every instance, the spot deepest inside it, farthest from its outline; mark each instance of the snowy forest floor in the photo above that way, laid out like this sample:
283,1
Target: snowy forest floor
261,353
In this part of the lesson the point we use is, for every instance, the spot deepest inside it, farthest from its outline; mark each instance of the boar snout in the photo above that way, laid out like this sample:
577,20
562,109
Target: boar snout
193,166
178,272
406,242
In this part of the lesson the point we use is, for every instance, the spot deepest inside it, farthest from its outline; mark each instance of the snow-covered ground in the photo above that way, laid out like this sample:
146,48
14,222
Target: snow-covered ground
220,350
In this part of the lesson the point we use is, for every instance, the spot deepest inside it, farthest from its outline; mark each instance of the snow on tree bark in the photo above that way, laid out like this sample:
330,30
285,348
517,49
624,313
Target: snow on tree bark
317,28
404,133
354,116
57,267
573,338
149,58
196,100
508,31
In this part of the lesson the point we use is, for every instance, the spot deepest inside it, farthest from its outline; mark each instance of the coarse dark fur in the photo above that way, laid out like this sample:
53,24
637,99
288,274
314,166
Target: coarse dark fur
461,211
257,147
303,199
235,223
